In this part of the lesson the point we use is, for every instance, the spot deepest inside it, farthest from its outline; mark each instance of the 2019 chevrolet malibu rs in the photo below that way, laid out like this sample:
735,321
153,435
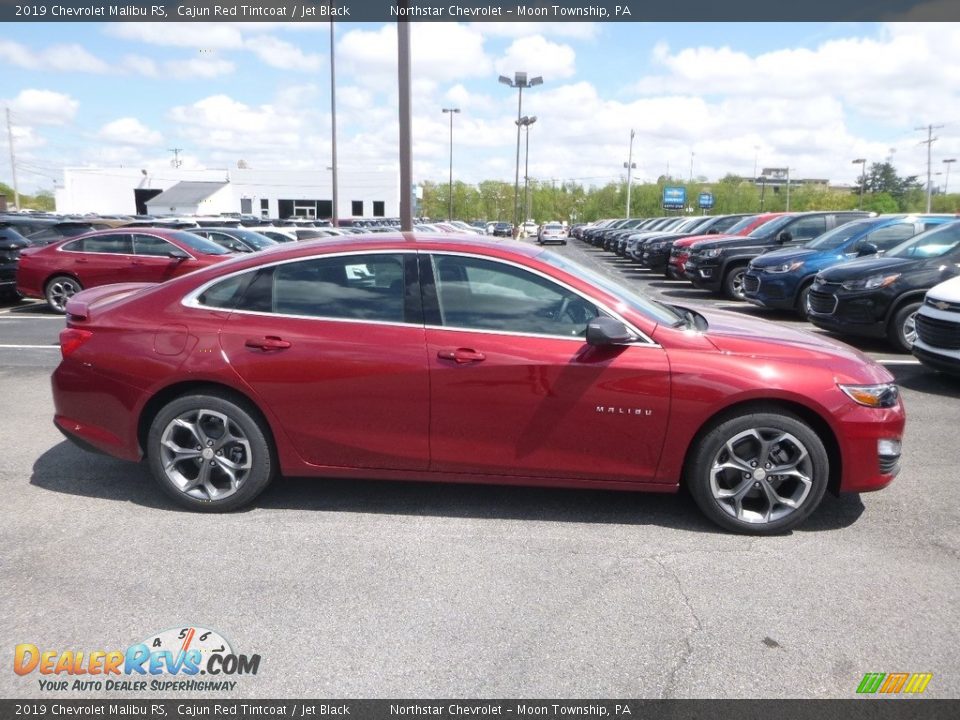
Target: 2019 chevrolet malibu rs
410,357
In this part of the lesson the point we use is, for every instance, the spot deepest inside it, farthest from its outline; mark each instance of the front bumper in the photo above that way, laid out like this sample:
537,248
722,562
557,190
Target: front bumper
862,313
864,435
769,290
703,275
655,259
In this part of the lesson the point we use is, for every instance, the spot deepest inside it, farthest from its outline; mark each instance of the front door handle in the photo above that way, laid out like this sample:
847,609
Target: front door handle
271,342
461,355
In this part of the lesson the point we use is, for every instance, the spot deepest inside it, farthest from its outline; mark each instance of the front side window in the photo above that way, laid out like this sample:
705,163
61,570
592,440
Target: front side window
151,245
886,237
478,294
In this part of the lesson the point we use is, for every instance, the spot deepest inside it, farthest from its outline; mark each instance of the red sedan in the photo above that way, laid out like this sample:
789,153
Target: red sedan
151,255
412,358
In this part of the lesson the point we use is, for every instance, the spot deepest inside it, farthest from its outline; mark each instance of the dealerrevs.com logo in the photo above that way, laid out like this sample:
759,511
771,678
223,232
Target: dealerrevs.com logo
172,660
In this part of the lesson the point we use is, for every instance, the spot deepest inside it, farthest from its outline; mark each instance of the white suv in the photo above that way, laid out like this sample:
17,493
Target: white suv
938,328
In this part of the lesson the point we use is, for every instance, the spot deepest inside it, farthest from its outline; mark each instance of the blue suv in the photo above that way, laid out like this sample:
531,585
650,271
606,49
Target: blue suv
781,279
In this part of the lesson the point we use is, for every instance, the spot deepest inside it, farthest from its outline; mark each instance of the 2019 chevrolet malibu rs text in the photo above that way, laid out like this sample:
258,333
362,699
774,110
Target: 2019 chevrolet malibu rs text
429,358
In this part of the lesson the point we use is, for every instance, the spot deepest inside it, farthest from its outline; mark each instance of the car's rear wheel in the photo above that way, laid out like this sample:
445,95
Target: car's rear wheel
210,453
759,473
902,332
733,283
60,289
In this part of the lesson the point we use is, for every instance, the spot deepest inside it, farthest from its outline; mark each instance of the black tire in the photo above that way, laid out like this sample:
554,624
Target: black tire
258,453
59,289
901,331
794,434
733,283
803,301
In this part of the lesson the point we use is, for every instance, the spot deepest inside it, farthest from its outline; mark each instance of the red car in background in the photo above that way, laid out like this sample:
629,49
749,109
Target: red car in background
149,255
680,251
401,357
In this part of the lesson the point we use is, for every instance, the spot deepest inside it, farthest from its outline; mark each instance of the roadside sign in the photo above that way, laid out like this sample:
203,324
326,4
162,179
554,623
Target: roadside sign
674,198
705,200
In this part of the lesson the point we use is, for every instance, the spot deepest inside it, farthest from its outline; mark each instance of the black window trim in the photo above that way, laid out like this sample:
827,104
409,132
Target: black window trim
133,244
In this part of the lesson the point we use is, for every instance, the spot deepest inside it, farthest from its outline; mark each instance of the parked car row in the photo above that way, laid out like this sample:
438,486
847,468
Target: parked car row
848,272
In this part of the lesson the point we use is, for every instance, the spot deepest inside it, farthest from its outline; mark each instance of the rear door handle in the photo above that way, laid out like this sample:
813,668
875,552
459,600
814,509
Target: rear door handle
271,342
461,355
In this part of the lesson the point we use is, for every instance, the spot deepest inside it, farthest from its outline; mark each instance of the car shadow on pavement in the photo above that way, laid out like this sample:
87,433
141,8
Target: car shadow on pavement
65,468
922,379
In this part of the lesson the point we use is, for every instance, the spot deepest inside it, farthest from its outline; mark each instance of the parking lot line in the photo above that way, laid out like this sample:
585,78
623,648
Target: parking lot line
31,347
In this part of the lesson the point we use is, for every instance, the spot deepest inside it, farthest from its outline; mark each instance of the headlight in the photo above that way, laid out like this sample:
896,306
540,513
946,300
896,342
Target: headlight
785,267
871,283
876,396
713,252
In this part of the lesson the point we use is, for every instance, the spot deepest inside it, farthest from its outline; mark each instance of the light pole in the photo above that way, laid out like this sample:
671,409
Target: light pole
756,157
788,189
946,183
630,165
334,213
862,162
452,112
526,122
520,82
692,153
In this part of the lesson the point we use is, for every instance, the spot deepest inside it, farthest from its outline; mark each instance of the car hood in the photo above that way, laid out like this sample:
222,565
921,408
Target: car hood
778,257
948,290
758,339
865,267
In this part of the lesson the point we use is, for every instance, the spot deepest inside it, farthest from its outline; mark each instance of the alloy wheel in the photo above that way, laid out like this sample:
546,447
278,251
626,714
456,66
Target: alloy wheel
761,475
205,454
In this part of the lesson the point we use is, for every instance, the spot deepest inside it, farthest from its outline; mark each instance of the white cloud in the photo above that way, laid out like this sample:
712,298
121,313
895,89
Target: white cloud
140,65
280,54
538,56
129,131
43,107
575,30
60,58
198,68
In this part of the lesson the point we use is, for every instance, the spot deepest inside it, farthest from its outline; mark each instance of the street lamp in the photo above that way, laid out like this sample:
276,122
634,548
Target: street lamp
862,162
519,81
630,165
526,122
452,112
946,183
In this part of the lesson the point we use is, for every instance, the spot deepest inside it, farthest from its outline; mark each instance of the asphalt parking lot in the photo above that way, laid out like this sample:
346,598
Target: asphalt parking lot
374,589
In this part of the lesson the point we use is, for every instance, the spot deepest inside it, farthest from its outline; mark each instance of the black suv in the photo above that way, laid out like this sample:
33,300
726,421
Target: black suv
11,243
720,265
503,229
879,297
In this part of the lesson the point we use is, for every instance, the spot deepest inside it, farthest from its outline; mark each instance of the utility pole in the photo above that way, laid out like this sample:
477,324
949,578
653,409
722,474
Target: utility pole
13,163
788,189
405,117
334,178
691,165
946,183
176,162
929,143
451,111
629,165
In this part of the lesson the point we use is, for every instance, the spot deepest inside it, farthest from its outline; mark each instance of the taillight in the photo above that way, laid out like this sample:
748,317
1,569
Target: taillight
71,339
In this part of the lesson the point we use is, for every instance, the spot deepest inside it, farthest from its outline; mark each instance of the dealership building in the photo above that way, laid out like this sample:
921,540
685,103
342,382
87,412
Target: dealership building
266,193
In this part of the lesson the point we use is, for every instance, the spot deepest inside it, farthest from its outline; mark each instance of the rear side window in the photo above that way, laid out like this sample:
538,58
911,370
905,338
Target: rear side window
808,228
108,244
226,293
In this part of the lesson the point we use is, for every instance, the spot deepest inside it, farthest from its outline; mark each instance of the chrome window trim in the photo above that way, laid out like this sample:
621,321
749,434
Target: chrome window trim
191,299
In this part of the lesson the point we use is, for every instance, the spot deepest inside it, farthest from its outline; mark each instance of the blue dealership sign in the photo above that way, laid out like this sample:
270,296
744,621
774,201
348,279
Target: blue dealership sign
674,198
705,200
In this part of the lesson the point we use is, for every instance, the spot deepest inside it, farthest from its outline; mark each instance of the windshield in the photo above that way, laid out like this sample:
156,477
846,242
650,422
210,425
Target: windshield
742,225
200,244
260,242
771,226
930,244
617,286
838,236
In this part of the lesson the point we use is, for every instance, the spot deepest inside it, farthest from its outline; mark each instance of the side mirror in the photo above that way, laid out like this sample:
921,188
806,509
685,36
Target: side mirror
178,254
784,237
607,331
867,248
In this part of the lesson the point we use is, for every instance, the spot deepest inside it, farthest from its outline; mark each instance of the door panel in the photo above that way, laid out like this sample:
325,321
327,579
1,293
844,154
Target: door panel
350,392
547,407
152,262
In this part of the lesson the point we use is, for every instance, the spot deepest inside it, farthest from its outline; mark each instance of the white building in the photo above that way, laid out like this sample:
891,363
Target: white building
267,193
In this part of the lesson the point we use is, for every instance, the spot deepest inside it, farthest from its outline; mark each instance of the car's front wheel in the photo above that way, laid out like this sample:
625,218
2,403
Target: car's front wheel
210,453
59,290
759,473
733,283
902,332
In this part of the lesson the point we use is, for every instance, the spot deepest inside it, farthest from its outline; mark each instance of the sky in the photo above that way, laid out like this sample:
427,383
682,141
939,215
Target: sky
730,97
